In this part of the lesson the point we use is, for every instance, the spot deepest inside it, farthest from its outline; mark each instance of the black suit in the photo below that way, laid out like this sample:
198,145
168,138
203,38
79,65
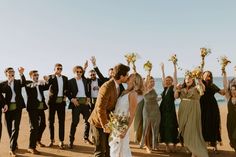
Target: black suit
13,117
57,107
2,103
36,114
77,110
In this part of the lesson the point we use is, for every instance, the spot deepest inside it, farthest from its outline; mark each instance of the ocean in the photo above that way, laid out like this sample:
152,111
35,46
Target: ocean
158,86
218,81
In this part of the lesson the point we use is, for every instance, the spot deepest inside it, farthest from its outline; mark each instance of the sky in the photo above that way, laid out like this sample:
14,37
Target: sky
36,34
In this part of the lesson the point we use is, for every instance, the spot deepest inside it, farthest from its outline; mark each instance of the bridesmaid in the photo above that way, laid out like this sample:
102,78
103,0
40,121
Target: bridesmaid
190,115
151,116
169,124
231,116
210,113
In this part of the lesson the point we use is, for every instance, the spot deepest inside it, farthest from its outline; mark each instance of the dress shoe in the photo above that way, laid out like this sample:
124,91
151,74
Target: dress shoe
40,144
86,140
12,153
61,145
70,145
33,151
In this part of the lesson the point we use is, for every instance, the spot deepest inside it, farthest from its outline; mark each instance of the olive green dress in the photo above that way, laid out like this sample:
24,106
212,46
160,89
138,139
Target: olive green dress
190,122
231,123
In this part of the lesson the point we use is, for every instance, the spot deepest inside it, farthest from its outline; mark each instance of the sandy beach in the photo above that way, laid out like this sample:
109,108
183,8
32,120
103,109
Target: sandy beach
85,150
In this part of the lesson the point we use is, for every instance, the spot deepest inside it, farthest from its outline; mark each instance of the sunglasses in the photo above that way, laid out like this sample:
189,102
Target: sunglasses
79,72
92,74
59,68
36,75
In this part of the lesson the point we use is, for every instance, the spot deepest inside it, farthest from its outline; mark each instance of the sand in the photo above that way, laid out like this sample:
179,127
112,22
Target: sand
82,149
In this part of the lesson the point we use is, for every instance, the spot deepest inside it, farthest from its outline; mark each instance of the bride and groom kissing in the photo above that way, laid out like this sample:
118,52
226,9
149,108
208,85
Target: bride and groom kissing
112,98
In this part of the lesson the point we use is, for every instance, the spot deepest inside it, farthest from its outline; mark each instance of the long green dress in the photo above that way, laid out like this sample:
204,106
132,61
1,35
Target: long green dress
231,123
138,120
169,124
190,122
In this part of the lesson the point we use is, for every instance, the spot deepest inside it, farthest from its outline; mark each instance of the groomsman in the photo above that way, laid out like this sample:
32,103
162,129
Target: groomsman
14,99
58,88
3,108
35,107
79,103
94,84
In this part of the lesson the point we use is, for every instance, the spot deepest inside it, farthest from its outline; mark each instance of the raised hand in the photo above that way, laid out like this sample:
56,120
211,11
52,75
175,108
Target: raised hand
5,108
93,60
86,65
21,70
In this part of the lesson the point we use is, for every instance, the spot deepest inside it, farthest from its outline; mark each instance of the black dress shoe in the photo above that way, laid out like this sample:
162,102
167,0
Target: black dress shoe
86,140
70,145
40,144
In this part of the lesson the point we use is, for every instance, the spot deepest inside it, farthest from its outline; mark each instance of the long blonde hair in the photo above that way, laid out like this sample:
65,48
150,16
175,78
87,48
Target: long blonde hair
137,84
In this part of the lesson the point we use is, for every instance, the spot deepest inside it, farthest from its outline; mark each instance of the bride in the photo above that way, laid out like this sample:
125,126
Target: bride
126,104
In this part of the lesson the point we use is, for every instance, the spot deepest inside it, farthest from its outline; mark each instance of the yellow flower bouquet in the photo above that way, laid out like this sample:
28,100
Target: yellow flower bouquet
224,62
148,67
131,58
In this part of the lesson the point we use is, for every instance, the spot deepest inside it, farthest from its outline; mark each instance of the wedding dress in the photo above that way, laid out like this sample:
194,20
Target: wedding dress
120,147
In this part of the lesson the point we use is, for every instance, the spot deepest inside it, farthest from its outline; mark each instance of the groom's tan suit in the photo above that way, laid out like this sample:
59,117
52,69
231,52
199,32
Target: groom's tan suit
106,101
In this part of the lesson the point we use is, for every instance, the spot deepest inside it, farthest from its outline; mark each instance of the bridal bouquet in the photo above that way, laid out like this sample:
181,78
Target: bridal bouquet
173,59
204,52
197,73
148,67
224,62
118,124
131,58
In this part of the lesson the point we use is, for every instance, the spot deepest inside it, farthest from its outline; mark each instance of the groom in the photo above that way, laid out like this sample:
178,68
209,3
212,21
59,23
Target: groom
106,101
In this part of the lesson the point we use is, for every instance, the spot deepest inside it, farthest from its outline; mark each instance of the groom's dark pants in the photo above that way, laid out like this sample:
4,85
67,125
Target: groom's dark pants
100,140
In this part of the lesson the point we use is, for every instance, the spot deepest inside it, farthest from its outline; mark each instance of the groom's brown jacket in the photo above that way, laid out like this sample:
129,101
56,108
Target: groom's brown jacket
106,101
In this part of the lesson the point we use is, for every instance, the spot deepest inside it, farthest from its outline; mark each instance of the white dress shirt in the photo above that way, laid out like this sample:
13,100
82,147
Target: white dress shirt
94,88
81,90
60,86
11,84
38,94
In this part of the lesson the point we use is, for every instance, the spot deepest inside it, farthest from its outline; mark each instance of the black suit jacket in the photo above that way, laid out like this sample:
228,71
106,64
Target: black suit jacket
73,90
53,88
105,79
90,83
32,95
18,84
2,100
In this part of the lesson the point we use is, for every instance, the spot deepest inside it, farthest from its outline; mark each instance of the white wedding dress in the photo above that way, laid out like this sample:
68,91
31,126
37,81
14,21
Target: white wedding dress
120,147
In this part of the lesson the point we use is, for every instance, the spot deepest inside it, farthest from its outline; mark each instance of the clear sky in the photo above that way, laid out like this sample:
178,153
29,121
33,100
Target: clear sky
36,34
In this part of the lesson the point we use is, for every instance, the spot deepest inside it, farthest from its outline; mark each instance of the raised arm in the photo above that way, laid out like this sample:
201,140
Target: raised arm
175,79
23,80
225,84
100,75
163,74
